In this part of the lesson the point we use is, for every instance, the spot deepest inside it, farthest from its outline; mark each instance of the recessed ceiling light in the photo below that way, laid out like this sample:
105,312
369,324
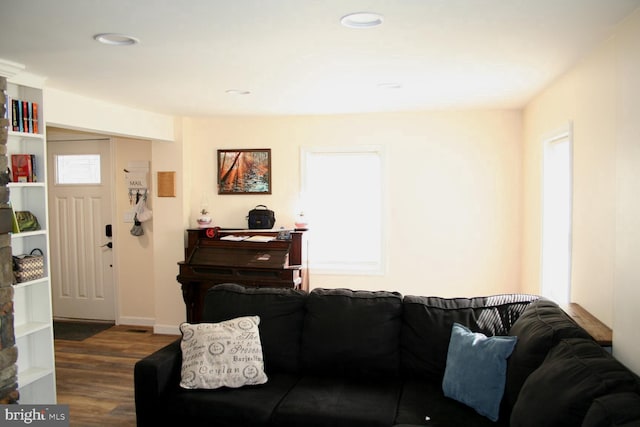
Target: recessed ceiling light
237,92
114,39
361,20
389,85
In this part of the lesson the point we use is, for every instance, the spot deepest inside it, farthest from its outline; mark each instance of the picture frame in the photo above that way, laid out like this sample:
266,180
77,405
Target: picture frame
244,171
166,184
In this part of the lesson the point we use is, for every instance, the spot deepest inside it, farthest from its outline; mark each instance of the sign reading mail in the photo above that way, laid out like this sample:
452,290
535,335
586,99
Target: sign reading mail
136,180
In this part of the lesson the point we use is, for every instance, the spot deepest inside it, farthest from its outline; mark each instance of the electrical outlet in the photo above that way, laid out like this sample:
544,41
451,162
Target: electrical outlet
128,216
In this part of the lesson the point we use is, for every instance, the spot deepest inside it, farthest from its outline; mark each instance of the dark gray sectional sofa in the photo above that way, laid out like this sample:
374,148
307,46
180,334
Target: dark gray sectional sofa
365,359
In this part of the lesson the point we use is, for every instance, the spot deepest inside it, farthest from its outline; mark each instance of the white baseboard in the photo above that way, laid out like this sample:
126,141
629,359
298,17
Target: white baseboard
146,321
136,321
166,329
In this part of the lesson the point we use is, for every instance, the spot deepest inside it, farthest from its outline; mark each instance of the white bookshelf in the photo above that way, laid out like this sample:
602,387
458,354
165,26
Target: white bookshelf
33,319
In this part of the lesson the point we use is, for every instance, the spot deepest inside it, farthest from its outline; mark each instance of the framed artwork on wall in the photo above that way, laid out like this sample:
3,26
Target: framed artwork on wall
245,171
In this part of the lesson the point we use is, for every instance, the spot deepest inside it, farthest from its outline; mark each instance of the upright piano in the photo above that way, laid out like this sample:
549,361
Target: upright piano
246,257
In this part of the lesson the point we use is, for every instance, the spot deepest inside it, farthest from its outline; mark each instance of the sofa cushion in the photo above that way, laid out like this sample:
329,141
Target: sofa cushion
352,333
421,399
222,354
617,409
574,373
250,406
339,402
427,323
542,325
476,370
281,313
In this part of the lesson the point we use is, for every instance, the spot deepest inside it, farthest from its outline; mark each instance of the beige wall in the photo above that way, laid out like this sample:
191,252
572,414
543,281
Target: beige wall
146,266
72,111
169,221
577,98
453,182
601,97
134,255
627,268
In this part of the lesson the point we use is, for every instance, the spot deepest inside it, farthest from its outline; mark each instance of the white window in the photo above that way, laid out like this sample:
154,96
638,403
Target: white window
342,198
556,218
77,169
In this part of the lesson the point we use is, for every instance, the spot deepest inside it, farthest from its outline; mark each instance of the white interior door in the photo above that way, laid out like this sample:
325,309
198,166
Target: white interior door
80,210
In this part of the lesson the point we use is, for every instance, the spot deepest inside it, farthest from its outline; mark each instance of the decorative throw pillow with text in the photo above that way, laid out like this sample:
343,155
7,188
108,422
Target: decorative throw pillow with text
225,354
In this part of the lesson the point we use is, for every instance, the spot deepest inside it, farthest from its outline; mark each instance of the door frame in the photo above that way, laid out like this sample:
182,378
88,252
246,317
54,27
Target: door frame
561,135
55,133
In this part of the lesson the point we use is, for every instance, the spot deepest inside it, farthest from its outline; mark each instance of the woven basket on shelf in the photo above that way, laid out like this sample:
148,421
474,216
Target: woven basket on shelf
29,267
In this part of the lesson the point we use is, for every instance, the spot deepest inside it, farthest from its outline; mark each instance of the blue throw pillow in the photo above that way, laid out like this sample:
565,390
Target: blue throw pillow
476,369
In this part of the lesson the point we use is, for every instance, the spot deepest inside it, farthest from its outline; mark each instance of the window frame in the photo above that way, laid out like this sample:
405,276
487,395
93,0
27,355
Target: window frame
57,176
378,267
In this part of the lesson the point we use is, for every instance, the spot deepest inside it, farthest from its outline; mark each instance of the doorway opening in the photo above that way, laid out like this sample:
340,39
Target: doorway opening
557,196
80,214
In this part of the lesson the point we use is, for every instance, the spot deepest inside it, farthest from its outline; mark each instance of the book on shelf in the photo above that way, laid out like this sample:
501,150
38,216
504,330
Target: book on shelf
34,175
34,118
15,114
15,228
22,167
24,116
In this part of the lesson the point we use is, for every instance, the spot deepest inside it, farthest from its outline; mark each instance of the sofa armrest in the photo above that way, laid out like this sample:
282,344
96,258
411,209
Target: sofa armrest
154,376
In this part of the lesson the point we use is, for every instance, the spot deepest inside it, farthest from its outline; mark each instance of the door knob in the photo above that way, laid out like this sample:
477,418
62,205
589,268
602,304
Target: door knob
108,245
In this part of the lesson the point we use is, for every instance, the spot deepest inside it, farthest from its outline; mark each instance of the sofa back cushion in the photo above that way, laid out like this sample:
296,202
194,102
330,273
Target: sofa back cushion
542,325
352,333
560,392
281,313
427,323
616,409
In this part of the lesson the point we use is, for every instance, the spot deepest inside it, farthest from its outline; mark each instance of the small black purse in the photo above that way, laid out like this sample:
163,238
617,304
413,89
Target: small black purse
261,218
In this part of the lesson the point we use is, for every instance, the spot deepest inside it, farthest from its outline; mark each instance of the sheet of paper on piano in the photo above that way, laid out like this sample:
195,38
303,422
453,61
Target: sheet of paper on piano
258,238
233,238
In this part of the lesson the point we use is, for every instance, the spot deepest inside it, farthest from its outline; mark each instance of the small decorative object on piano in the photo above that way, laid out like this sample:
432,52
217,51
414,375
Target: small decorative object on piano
28,267
301,222
204,220
261,217
284,235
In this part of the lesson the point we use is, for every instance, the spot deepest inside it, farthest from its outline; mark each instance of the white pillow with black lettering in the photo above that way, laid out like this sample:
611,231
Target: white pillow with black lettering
225,354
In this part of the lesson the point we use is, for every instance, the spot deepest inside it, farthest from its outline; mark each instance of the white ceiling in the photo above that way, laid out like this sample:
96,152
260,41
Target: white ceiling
296,58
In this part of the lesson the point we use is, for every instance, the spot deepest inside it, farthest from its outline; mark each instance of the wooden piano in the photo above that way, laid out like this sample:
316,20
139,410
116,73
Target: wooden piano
210,260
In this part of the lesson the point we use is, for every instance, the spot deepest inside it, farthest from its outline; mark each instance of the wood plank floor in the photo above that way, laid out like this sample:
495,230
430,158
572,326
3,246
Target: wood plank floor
95,376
